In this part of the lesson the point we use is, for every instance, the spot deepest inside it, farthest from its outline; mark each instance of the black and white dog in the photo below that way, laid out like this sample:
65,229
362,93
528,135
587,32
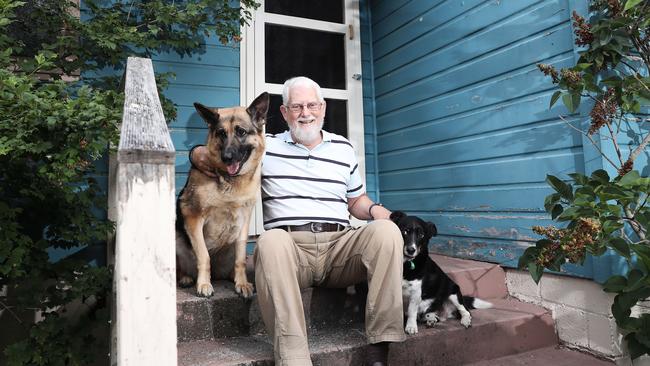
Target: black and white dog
429,294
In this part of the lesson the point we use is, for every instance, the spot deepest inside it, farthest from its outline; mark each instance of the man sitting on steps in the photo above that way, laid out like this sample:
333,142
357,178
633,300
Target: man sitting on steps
310,185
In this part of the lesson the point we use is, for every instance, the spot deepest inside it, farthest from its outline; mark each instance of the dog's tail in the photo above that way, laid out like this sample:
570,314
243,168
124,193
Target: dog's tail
476,303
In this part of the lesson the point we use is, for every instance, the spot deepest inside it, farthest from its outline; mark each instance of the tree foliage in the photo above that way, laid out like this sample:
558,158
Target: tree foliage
603,212
60,105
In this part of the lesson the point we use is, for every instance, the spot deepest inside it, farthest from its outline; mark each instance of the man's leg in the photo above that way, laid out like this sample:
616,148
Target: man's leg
375,251
278,279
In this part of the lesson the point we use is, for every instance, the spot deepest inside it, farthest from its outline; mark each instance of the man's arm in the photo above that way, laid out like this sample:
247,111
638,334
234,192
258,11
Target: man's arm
363,208
199,160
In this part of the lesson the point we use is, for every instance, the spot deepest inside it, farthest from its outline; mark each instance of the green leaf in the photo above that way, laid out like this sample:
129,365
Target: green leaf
631,178
609,226
612,192
586,191
554,98
557,211
529,255
571,101
643,251
597,251
621,311
565,190
580,179
615,284
635,348
620,246
570,213
600,176
550,201
630,4
643,218
643,335
635,280
536,271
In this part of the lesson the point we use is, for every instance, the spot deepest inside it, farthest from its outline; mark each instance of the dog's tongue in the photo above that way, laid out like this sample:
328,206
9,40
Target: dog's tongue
233,168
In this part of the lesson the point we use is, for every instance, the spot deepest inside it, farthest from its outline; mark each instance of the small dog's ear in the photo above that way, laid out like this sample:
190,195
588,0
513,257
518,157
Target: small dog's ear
209,115
258,109
396,216
431,229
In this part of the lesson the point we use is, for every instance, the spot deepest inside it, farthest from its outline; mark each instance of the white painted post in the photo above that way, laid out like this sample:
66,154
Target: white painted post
144,304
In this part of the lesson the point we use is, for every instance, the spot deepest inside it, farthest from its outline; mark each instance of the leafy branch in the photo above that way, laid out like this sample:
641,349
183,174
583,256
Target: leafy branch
58,114
600,212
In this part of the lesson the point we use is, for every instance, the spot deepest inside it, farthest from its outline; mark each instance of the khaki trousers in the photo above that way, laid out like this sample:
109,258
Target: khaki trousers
286,262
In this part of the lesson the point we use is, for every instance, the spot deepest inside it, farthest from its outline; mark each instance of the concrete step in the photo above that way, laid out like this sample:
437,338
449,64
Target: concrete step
226,314
555,356
510,327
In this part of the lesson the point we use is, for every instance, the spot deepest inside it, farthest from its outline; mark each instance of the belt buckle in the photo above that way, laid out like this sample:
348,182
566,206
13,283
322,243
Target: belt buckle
316,227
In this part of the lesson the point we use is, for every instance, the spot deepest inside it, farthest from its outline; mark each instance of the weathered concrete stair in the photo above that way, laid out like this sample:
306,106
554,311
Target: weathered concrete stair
227,330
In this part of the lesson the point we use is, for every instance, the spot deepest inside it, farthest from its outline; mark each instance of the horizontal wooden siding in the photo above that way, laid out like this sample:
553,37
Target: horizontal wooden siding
465,137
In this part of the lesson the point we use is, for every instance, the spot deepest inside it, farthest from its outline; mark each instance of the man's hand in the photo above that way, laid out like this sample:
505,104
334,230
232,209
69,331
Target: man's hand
199,159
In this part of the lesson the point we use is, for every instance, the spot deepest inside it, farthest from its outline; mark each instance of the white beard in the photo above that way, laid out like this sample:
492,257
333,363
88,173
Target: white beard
308,134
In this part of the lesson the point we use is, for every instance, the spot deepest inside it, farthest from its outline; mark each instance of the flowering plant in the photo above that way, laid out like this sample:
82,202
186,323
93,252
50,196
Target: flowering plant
604,212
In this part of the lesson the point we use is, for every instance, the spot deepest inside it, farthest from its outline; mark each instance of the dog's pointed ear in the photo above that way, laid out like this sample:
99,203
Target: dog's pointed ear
258,109
396,216
209,115
431,229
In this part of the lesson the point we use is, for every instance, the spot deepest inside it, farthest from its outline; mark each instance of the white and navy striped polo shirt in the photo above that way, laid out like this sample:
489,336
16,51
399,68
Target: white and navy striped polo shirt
301,185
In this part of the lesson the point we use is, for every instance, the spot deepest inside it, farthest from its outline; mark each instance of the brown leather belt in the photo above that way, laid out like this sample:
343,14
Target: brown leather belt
314,227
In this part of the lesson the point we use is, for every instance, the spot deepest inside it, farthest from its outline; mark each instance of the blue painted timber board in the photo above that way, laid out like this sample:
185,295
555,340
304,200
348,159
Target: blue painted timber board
465,136
503,34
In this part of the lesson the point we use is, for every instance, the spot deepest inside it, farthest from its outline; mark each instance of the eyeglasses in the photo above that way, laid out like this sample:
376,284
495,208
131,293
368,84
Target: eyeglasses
297,108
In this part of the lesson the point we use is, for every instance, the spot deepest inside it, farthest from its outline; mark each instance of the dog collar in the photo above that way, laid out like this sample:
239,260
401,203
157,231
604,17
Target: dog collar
411,264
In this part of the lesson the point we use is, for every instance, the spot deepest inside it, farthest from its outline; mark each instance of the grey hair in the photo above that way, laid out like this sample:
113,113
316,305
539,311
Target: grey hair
300,81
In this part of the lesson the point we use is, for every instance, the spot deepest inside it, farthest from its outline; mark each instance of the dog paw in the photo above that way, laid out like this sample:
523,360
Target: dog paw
466,321
431,319
411,328
204,289
245,289
186,281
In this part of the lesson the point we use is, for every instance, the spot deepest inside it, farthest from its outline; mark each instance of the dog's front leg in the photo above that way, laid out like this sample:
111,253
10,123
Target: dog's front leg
194,228
412,314
242,286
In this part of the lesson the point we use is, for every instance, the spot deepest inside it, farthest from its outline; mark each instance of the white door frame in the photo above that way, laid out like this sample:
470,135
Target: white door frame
253,74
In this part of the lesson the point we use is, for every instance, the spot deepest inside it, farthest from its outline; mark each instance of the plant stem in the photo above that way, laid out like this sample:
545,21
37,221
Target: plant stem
640,206
11,312
638,229
634,154
615,142
592,141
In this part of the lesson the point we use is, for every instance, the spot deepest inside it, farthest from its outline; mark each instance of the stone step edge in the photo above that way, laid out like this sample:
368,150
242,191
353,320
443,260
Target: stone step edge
512,327
226,314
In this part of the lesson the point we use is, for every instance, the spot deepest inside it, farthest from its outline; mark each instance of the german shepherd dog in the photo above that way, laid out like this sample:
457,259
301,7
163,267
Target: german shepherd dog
213,214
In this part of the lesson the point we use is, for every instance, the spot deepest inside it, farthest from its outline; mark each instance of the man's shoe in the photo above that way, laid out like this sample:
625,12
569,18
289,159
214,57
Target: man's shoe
377,354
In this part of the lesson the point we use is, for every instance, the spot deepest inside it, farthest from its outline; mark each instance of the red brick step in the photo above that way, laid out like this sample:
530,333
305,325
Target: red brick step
551,356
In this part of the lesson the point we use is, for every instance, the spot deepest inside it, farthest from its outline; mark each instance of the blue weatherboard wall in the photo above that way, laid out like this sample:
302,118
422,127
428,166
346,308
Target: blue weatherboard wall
210,77
465,137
